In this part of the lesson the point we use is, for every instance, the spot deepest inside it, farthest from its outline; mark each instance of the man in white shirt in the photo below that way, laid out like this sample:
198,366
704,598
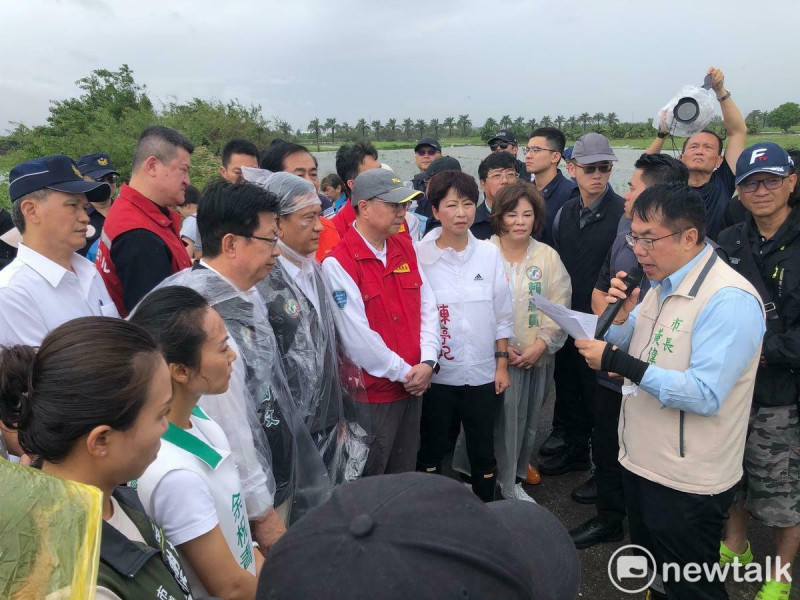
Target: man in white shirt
48,283
386,317
303,323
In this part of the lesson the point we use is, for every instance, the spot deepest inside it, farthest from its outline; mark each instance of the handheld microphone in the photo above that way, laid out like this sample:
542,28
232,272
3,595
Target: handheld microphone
631,281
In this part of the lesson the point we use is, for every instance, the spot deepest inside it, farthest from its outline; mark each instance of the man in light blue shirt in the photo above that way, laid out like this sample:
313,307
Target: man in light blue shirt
689,354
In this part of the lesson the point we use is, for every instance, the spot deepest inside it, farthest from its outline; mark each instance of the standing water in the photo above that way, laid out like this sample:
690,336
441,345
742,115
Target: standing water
402,162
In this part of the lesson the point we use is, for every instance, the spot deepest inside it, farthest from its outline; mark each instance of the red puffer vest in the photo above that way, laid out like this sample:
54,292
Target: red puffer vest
392,299
131,211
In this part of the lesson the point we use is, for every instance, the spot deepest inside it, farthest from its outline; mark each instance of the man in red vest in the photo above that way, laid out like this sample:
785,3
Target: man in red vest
141,245
386,316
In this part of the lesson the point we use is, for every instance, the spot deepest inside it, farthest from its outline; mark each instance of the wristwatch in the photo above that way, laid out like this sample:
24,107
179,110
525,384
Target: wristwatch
725,97
433,365
503,354
662,134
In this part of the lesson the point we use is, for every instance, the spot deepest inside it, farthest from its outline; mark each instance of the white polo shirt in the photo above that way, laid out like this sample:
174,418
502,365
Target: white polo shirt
37,295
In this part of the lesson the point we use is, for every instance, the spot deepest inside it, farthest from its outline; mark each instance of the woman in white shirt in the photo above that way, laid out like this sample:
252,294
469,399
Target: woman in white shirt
475,319
91,405
192,489
532,268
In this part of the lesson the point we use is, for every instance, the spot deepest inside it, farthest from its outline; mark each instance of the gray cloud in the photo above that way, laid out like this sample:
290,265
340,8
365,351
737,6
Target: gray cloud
349,59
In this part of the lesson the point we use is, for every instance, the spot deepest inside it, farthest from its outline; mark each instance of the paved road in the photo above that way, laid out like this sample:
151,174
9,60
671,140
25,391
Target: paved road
553,494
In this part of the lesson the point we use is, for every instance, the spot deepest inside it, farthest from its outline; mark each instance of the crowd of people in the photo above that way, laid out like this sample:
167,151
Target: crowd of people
264,378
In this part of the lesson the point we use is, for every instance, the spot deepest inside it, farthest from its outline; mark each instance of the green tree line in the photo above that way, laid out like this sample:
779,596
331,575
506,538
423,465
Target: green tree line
112,109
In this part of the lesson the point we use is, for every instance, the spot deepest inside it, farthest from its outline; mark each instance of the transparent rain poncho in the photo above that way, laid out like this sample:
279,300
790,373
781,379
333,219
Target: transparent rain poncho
49,535
326,387
706,101
273,448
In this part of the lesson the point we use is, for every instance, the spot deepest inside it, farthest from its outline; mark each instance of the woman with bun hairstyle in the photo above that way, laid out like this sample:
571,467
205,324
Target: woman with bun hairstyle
192,490
91,406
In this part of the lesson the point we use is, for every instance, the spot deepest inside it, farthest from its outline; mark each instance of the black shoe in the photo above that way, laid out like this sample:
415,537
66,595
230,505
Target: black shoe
555,444
564,463
585,493
594,532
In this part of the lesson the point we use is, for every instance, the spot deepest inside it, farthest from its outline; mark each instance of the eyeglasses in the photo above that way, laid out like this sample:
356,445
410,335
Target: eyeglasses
589,169
427,152
770,183
396,206
507,175
110,179
536,150
271,241
647,243
502,145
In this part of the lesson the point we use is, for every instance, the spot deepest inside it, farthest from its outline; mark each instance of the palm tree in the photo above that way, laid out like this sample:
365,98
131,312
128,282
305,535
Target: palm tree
391,126
421,125
560,121
449,122
376,127
363,128
331,125
505,121
584,118
345,128
283,126
598,118
572,120
532,124
547,121
464,122
612,119
434,125
489,128
408,127
315,128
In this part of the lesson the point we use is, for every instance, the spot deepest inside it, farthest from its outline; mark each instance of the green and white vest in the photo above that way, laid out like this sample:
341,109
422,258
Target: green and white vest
215,465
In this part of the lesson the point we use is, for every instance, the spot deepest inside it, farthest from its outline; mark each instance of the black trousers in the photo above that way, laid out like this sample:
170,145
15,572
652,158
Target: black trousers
605,454
575,387
394,439
678,527
475,408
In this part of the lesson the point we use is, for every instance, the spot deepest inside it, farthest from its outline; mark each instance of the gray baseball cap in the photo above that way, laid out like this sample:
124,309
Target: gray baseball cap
592,148
381,184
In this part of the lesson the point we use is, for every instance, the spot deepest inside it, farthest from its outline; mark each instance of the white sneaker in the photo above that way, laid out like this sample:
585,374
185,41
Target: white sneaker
520,494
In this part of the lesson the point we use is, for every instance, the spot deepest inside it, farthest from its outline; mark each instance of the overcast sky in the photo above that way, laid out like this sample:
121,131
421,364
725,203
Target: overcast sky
377,59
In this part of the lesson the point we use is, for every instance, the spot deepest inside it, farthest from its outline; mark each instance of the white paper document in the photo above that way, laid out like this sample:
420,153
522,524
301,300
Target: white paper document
580,326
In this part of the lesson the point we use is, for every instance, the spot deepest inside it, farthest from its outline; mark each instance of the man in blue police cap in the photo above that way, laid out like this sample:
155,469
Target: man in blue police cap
48,284
97,167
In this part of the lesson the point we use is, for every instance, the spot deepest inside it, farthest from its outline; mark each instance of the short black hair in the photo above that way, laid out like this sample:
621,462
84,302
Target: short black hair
715,134
676,205
161,142
496,160
231,208
275,155
661,168
191,196
350,156
555,138
462,184
238,146
332,180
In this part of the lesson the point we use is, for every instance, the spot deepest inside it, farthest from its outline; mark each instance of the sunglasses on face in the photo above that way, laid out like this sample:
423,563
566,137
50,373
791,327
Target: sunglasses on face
110,179
427,152
501,145
770,183
589,169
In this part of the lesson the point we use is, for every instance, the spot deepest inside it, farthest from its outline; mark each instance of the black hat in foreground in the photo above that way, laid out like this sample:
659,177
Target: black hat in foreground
421,536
